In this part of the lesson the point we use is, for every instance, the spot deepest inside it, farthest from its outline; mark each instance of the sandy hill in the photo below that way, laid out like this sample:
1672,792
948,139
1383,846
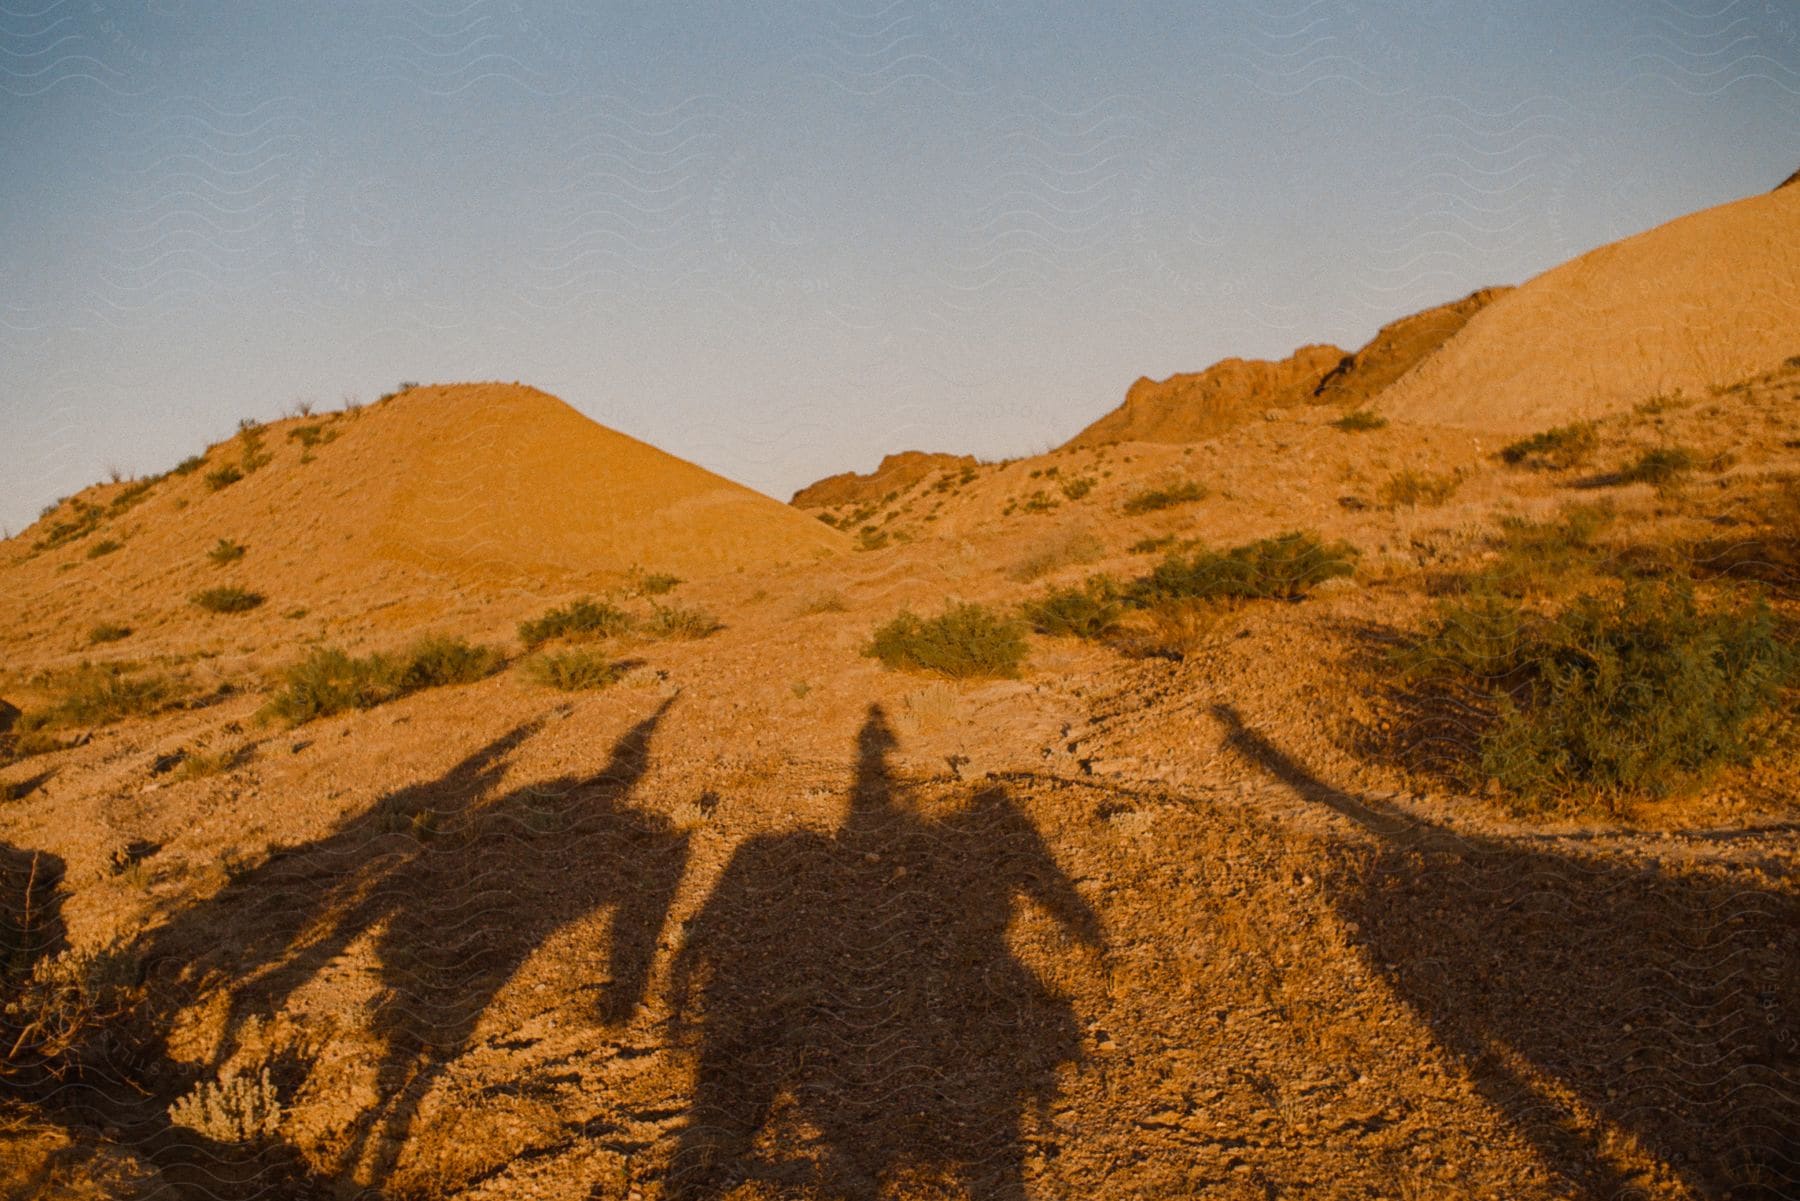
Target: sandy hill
896,471
396,508
1398,348
1704,300
1189,407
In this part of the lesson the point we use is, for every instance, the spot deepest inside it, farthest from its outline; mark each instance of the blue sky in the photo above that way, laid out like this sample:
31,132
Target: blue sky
781,239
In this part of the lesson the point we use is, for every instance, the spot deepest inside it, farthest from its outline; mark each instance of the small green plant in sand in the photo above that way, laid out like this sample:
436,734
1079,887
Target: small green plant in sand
1418,489
676,622
225,551
1359,421
99,694
220,478
329,680
585,618
107,631
228,599
104,547
1091,610
575,670
1662,466
1556,449
964,641
1152,500
1285,567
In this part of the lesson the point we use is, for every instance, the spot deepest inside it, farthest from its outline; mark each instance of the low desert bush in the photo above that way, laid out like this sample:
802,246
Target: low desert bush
655,583
223,477
1167,497
674,621
575,670
104,547
229,599
964,641
225,551
234,1108
584,618
1636,694
59,1008
1360,421
1417,489
330,680
1285,567
1661,466
1556,449
1076,487
1092,610
107,631
99,694
188,465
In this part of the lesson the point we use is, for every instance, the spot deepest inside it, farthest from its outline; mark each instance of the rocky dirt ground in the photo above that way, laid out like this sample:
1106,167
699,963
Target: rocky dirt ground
764,919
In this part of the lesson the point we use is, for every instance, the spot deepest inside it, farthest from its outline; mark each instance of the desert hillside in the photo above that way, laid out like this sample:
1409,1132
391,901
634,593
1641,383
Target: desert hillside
1708,298
1284,794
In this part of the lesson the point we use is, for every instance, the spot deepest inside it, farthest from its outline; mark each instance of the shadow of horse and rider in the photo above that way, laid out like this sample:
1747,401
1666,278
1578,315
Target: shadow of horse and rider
856,1015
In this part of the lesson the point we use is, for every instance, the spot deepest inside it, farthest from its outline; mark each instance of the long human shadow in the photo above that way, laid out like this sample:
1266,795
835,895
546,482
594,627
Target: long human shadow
454,887
1585,993
857,1008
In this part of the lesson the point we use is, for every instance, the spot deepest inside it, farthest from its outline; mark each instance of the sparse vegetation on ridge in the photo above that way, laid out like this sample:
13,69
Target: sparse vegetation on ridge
1360,421
225,551
1285,567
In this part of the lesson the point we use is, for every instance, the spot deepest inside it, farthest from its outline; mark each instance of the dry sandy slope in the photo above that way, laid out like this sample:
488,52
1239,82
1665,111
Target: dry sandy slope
1709,298
426,508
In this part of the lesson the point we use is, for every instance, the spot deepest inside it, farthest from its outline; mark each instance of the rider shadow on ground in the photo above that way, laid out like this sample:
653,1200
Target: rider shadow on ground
861,1018
1588,998
453,886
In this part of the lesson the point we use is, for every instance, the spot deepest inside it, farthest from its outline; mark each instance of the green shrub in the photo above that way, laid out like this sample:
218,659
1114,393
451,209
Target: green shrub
1078,486
1417,489
1285,567
331,681
673,621
1359,421
1556,449
963,641
1167,497
573,671
223,477
1149,546
107,631
229,599
1638,694
99,694
104,547
226,551
584,618
189,465
655,583
1661,466
1092,610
